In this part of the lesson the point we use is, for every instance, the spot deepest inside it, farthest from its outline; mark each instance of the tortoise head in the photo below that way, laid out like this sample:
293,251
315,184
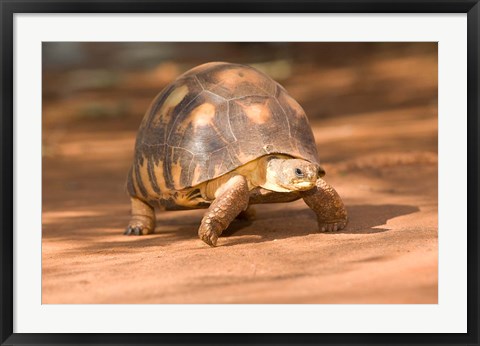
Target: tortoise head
293,174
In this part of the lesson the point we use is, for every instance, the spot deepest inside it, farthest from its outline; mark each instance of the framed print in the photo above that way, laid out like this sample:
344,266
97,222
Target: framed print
239,173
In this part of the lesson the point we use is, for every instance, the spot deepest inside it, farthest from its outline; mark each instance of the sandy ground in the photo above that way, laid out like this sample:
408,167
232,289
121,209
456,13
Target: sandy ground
382,161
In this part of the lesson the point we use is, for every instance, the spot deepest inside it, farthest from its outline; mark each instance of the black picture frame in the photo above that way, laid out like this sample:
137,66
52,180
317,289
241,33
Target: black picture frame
10,7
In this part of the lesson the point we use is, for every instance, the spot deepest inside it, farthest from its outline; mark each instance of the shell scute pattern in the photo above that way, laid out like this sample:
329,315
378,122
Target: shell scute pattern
163,116
206,121
232,81
211,120
299,127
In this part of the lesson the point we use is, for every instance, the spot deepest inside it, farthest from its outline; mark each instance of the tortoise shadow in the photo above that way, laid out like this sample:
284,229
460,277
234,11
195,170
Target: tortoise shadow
363,219
270,223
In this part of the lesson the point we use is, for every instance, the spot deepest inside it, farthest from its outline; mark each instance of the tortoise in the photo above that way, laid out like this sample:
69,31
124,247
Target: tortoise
224,136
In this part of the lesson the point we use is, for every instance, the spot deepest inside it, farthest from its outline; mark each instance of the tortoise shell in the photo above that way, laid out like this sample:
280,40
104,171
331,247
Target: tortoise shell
211,120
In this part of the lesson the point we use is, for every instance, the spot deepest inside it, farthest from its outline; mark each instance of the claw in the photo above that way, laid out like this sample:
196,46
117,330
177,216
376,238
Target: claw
213,240
133,230
207,233
210,242
210,239
332,227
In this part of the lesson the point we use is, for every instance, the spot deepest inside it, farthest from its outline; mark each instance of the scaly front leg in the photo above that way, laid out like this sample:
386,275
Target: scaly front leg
230,199
327,204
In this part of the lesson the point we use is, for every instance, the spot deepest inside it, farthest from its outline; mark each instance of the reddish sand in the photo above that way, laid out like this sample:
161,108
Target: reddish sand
382,160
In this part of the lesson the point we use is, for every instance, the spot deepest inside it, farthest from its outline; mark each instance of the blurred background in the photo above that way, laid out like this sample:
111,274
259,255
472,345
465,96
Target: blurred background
113,83
110,80
373,110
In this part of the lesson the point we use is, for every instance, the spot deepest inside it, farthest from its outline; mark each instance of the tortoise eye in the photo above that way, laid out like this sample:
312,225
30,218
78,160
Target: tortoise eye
298,172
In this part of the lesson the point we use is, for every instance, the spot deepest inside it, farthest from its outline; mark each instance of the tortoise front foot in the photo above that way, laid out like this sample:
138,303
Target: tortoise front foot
327,204
331,226
209,232
230,199
143,218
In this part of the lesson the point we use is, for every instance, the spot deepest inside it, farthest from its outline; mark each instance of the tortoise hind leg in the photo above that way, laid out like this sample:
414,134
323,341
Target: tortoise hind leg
143,218
230,199
327,204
